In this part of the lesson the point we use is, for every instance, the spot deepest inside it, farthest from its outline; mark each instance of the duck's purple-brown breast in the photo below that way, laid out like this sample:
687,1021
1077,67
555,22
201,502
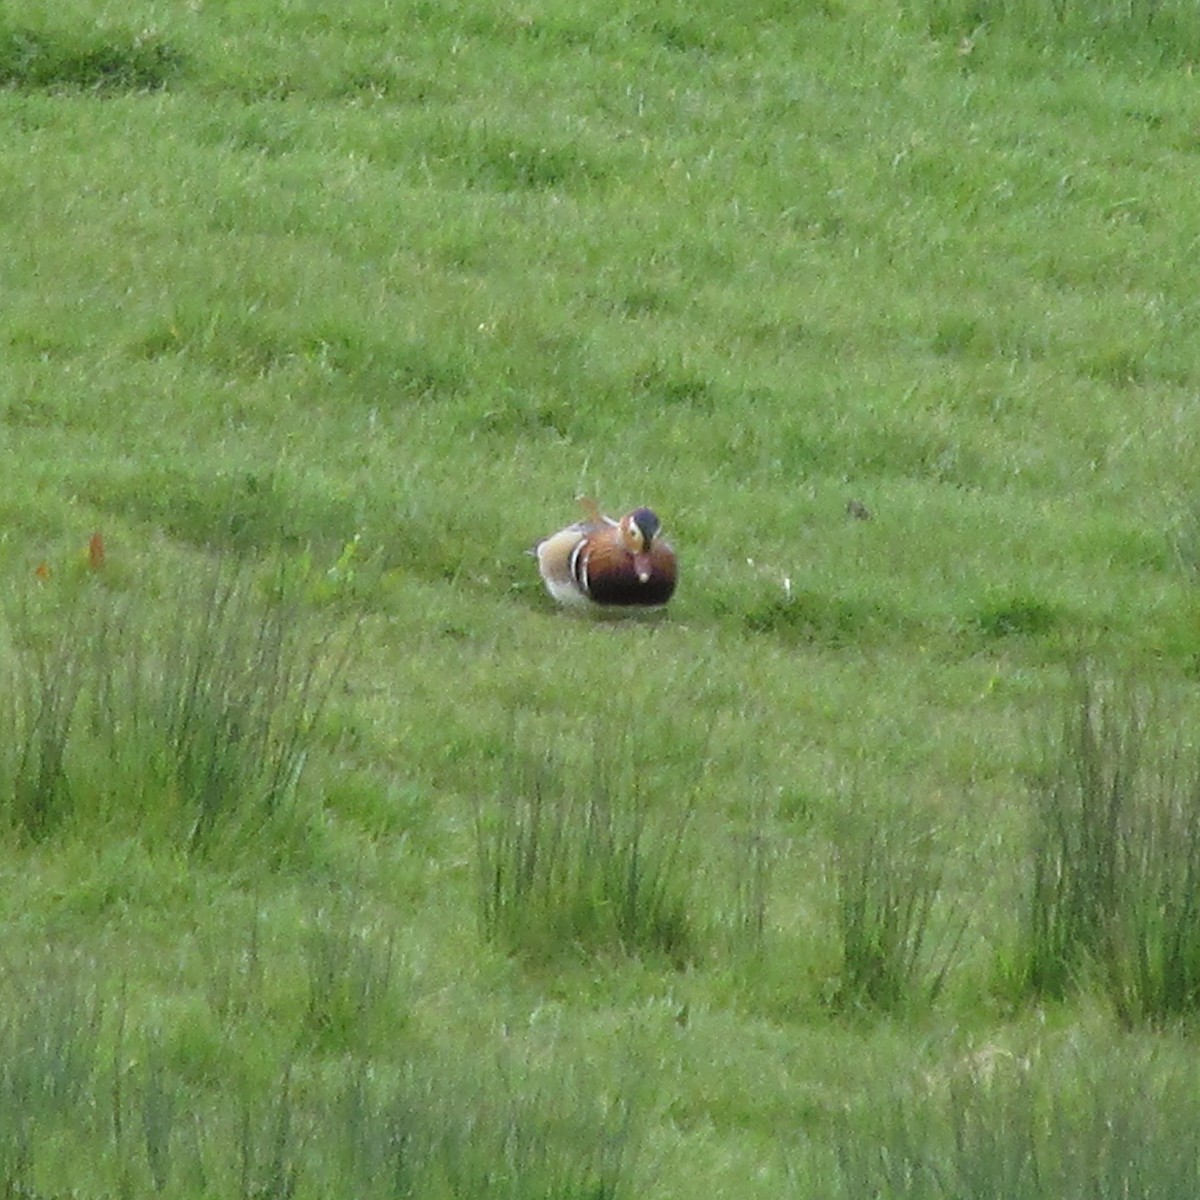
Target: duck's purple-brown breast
610,576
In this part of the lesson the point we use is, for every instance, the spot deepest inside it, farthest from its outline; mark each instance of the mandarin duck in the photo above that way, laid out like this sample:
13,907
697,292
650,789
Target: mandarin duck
599,561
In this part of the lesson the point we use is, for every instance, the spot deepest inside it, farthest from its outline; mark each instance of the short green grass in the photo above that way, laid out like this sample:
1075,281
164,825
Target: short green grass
336,860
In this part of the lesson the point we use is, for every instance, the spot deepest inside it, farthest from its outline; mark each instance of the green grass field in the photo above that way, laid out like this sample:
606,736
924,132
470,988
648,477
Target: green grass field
337,862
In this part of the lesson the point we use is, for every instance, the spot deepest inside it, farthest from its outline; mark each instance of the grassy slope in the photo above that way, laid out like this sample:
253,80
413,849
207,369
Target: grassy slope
418,274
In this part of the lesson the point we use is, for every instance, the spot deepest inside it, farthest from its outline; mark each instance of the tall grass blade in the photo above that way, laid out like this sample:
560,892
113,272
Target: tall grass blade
1114,863
562,866
889,875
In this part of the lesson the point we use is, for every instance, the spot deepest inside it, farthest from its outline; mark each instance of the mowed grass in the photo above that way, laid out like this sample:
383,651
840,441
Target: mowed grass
381,876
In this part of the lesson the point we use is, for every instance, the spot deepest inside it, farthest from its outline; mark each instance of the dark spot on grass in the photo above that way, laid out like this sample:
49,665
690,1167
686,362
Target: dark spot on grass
400,370
683,37
509,165
644,301
233,346
103,62
956,335
1118,365
513,415
360,367
242,512
668,384
1016,616
1152,120
31,412
815,618
396,85
784,333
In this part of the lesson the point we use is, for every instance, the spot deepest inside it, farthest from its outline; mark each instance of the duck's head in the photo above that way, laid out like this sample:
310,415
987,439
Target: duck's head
640,528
